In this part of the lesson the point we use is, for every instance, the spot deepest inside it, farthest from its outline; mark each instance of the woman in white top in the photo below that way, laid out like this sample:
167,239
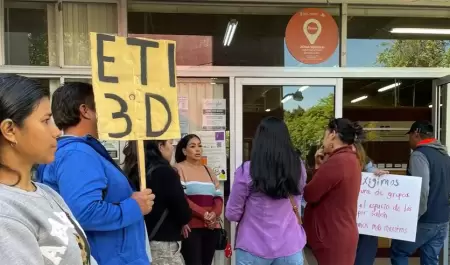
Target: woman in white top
36,226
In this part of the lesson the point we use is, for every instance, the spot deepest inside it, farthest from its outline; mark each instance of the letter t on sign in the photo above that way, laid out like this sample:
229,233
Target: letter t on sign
144,44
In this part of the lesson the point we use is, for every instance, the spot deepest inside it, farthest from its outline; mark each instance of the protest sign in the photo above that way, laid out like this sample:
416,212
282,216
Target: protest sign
135,90
388,206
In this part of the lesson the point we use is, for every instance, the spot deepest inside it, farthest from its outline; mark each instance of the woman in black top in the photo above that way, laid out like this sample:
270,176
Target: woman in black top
171,210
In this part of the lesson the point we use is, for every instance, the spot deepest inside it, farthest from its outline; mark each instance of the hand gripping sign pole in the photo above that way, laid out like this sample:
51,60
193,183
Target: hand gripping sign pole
135,90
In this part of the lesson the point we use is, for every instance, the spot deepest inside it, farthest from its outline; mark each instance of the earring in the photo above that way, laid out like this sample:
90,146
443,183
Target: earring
13,144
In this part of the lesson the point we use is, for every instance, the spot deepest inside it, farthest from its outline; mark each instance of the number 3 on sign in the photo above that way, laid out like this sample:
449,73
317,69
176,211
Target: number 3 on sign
134,88
122,114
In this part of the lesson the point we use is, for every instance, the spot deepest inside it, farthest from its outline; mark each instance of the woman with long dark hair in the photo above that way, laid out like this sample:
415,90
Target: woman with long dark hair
332,196
205,199
37,227
265,199
171,210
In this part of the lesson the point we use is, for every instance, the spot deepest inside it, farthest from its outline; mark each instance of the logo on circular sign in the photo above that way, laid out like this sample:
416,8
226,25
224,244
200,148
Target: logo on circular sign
312,36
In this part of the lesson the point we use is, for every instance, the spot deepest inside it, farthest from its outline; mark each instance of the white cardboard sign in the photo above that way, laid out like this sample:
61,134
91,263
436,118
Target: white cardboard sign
388,206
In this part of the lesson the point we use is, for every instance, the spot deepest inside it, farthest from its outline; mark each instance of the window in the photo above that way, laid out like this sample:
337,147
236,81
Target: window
79,19
200,32
30,33
397,37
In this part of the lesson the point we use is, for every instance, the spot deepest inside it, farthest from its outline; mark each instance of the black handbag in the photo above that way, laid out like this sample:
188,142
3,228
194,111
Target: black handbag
222,242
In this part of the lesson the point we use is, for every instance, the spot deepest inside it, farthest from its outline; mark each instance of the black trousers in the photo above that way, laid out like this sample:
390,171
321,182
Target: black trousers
200,246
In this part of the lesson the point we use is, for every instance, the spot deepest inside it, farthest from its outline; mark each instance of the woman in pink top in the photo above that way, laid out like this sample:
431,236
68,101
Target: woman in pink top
268,232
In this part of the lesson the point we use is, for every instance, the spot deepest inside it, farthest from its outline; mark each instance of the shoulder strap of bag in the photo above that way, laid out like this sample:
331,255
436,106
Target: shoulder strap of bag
163,216
209,174
295,209
158,224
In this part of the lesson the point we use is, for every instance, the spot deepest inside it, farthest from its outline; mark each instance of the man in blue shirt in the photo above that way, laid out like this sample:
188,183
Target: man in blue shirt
91,183
429,161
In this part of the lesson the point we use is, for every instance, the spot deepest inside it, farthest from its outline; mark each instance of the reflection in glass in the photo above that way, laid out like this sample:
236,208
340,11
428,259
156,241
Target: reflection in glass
260,31
387,42
386,109
305,109
30,41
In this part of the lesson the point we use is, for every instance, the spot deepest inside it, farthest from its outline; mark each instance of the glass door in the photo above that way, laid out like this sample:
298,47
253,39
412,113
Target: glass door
305,104
441,121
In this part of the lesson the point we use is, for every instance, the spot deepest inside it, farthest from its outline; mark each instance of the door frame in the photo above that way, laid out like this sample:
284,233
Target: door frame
438,85
236,122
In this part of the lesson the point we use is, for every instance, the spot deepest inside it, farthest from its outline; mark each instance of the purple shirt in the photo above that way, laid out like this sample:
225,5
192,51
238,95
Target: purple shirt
269,227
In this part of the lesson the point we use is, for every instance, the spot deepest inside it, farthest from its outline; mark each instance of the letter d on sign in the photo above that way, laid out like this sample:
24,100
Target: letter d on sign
163,101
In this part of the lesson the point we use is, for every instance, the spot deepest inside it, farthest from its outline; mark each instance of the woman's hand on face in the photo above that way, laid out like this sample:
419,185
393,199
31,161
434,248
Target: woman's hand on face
380,172
319,157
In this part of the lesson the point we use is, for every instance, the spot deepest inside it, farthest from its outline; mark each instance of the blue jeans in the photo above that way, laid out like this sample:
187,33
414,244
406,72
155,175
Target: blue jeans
429,240
245,258
367,250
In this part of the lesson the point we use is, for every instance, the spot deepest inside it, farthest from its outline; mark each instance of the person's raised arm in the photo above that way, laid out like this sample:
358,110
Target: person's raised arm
19,246
81,182
328,175
238,195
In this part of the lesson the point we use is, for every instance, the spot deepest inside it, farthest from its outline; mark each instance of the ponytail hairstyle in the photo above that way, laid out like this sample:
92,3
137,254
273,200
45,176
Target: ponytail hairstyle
347,131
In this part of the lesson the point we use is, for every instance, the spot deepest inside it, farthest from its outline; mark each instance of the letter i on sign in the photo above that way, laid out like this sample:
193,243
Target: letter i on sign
135,91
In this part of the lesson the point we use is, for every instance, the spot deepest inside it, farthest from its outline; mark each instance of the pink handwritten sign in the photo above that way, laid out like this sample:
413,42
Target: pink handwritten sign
388,206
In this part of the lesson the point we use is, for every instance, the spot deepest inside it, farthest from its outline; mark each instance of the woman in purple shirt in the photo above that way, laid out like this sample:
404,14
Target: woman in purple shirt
268,232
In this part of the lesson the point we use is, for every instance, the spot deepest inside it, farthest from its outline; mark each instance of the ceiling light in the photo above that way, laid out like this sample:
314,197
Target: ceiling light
430,106
391,86
303,88
267,110
229,32
358,99
287,98
421,31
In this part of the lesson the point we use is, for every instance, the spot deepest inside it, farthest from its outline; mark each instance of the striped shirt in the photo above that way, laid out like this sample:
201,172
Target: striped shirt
202,190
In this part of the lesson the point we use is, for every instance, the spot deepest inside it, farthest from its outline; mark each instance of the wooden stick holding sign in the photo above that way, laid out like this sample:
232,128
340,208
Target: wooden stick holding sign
141,163
135,90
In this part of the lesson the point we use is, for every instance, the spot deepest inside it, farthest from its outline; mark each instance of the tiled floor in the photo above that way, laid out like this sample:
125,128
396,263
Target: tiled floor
412,261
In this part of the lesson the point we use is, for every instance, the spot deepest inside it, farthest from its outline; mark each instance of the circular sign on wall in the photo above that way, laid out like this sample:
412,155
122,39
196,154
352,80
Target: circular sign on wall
312,36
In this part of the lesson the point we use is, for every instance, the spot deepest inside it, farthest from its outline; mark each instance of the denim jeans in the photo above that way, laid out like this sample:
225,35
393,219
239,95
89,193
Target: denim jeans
429,240
367,250
245,258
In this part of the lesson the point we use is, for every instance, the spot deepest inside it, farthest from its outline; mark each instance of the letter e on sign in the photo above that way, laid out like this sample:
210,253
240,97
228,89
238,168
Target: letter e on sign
135,88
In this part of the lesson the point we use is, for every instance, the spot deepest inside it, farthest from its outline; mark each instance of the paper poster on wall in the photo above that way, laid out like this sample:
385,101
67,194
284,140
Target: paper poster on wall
183,112
214,152
388,206
112,147
214,114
